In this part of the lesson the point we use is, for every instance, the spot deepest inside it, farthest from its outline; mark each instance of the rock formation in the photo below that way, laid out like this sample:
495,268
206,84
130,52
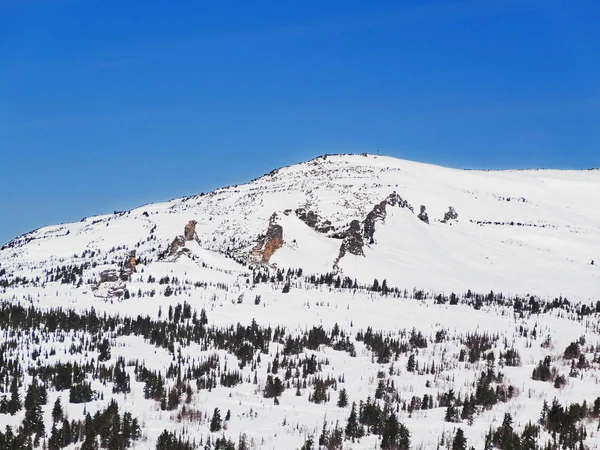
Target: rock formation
267,244
423,215
177,244
189,230
353,241
129,264
358,233
379,213
109,275
109,285
314,221
451,214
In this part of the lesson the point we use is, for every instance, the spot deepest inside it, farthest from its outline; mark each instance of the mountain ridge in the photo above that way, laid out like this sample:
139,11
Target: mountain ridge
493,209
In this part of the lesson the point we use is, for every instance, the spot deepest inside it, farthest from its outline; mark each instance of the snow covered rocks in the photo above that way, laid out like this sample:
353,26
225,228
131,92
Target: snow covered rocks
449,215
423,217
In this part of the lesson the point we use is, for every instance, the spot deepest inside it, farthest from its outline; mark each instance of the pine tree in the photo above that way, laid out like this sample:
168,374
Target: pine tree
14,404
342,398
57,411
352,427
403,437
391,432
460,441
215,422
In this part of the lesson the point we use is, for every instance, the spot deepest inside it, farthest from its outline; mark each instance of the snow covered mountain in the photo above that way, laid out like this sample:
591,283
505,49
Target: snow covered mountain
415,289
530,231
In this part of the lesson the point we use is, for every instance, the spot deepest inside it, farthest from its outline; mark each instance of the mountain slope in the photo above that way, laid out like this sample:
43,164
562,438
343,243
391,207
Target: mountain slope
325,276
520,231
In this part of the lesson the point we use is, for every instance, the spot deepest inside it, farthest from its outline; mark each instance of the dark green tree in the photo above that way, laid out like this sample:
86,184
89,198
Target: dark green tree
460,441
342,398
215,422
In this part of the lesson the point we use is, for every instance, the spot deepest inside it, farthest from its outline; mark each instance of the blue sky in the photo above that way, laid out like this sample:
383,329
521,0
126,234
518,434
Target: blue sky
105,105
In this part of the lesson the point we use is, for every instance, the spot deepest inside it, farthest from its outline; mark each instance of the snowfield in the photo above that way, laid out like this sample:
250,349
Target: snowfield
517,270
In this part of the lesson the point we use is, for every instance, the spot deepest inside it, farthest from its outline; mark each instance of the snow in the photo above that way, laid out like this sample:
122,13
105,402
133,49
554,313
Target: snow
549,256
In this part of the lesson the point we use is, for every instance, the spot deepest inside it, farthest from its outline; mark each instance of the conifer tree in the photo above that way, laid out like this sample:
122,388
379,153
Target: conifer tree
215,422
57,411
342,398
460,441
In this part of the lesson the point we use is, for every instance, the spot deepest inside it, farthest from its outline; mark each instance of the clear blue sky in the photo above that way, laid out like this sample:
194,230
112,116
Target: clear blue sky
105,105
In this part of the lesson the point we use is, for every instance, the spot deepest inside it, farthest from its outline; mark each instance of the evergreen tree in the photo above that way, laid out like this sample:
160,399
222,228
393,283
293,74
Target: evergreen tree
14,404
403,437
57,411
342,398
215,422
460,441
353,427
391,433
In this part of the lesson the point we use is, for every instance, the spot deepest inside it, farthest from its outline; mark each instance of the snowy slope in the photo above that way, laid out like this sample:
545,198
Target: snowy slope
519,233
550,253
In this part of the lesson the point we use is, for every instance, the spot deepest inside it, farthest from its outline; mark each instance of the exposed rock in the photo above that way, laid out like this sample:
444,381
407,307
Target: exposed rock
379,213
109,275
116,291
129,264
109,285
451,214
177,244
357,234
314,221
353,242
189,230
267,244
423,215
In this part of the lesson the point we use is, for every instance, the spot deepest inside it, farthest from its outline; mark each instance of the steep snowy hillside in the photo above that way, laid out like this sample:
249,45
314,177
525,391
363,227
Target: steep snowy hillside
348,302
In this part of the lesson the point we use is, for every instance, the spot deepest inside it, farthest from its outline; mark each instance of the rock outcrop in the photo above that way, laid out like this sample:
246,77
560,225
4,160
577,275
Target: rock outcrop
267,244
353,242
110,285
379,213
358,233
109,275
423,217
314,221
129,264
177,245
451,214
189,231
